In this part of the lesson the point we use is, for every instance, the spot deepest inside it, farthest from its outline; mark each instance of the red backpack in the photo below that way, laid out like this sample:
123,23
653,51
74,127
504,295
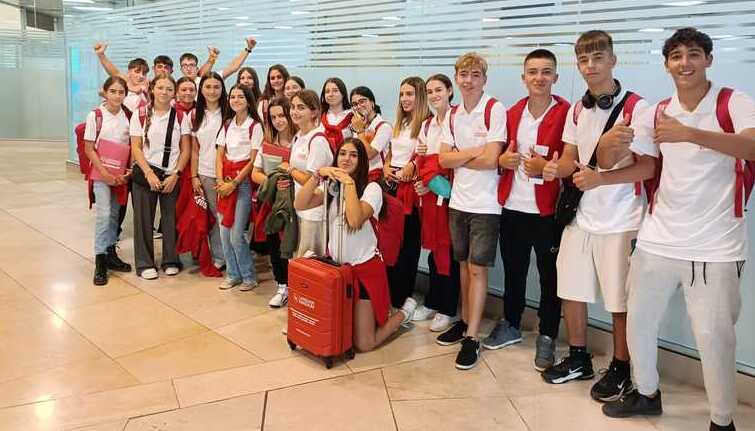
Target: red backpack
744,169
85,165
389,229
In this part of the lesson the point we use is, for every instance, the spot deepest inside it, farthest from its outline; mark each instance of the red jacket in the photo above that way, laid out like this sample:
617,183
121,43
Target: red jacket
434,224
548,134
227,205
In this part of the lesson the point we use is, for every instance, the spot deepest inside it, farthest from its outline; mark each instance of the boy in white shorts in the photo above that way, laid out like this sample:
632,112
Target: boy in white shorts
694,235
594,254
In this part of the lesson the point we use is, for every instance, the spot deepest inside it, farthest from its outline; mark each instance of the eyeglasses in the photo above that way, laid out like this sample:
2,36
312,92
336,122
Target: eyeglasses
188,66
363,101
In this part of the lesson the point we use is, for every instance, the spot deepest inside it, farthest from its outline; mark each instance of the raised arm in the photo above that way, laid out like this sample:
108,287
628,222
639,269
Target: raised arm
110,68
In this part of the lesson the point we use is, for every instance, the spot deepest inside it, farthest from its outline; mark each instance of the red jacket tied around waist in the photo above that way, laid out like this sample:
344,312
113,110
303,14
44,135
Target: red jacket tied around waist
227,205
436,236
548,134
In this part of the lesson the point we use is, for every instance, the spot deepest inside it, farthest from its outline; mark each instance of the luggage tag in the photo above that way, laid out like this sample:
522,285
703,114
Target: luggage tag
542,150
439,202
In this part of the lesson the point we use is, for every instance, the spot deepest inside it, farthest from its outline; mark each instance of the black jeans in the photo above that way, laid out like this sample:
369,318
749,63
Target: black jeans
443,295
520,233
403,275
279,264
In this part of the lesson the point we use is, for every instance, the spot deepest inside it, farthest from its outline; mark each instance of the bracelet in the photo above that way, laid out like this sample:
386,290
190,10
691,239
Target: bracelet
235,182
249,51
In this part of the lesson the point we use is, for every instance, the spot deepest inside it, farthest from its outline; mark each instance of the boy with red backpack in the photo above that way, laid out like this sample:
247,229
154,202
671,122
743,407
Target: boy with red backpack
694,235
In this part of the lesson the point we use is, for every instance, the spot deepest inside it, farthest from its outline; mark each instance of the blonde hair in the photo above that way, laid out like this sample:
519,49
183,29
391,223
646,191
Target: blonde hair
420,111
471,60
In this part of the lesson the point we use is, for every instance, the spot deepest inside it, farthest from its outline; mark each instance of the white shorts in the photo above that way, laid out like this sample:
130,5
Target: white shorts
310,238
588,263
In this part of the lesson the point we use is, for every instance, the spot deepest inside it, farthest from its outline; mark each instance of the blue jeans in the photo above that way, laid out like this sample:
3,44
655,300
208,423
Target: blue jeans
216,247
106,217
238,257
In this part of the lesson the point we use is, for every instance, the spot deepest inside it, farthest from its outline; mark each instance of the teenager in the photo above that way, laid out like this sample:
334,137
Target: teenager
535,125
212,107
186,94
293,85
162,65
189,62
281,136
309,152
694,236
470,146
237,145
442,299
363,200
400,170
155,175
248,77
370,128
337,119
108,135
594,251
277,75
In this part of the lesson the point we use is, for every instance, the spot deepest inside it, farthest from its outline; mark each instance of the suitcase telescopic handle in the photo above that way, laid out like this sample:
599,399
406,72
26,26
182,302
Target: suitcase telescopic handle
340,208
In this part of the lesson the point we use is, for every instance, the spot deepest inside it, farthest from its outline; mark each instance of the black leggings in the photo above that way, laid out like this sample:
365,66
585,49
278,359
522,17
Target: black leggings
279,264
403,275
443,294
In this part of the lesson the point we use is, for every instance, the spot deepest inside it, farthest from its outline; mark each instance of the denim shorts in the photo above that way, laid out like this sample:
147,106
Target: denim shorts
474,237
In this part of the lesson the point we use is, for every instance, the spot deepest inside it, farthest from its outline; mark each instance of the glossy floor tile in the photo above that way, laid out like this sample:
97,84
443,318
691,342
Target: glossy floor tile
177,354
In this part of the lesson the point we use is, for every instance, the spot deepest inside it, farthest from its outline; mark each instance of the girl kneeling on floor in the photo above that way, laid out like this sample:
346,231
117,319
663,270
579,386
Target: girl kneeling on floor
363,200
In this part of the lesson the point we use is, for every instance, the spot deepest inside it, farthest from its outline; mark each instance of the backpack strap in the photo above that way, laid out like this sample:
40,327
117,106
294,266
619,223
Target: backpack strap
312,138
426,126
627,113
97,123
251,129
451,117
576,111
142,114
656,181
742,186
488,111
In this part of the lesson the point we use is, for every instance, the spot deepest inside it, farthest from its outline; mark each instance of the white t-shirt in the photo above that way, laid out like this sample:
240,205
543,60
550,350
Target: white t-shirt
522,196
153,150
475,191
380,141
310,158
334,119
402,147
115,127
614,208
432,138
360,245
237,140
693,217
134,100
206,135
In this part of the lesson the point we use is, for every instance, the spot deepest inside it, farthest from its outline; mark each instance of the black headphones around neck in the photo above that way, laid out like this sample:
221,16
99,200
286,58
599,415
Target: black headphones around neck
604,101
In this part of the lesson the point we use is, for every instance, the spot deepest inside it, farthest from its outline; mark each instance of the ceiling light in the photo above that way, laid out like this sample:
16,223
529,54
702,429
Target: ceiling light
486,19
299,12
92,8
222,8
652,30
392,18
78,1
684,3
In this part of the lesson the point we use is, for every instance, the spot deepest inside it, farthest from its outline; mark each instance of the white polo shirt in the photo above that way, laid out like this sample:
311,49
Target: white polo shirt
206,135
432,137
134,100
693,217
310,157
359,245
153,150
115,127
380,141
522,196
238,141
475,191
613,208
402,147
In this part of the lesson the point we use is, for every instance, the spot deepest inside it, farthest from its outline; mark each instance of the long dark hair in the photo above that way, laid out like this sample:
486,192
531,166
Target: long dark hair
255,78
272,133
116,80
251,103
268,93
345,101
360,175
202,103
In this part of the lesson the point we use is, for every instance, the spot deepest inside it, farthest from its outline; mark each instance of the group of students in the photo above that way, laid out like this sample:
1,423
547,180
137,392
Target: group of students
579,183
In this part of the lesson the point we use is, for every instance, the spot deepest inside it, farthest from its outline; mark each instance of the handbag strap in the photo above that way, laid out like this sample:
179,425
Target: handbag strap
169,138
609,124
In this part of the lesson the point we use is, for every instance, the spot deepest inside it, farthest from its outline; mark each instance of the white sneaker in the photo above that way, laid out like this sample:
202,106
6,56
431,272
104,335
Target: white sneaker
280,298
171,270
248,285
149,274
441,322
423,313
229,284
156,235
410,305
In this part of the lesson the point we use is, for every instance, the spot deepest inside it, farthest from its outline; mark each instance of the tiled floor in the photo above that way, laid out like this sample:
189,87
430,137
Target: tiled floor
177,354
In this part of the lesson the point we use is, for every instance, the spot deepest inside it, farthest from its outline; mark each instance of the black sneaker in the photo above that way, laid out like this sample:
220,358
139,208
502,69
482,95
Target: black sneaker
716,427
576,366
634,404
453,335
100,270
616,382
114,262
469,354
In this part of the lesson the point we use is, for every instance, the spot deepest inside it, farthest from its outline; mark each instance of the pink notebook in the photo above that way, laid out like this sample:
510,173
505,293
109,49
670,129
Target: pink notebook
113,155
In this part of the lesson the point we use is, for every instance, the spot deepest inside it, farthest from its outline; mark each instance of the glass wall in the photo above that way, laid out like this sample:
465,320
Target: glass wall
378,44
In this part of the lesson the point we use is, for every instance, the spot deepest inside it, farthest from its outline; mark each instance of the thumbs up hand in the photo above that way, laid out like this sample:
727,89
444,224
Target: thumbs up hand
550,170
669,129
620,135
586,178
509,159
534,164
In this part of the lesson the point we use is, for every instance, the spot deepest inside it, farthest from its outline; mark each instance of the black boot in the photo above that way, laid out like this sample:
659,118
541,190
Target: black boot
114,262
716,427
100,270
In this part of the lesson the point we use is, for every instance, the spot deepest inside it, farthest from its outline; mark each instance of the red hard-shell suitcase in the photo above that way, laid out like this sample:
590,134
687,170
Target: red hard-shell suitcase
321,306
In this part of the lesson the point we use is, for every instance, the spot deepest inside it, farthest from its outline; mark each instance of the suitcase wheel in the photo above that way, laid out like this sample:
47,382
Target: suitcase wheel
329,361
350,354
291,345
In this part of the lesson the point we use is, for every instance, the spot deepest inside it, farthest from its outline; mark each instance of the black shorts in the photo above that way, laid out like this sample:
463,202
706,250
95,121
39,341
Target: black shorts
474,237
